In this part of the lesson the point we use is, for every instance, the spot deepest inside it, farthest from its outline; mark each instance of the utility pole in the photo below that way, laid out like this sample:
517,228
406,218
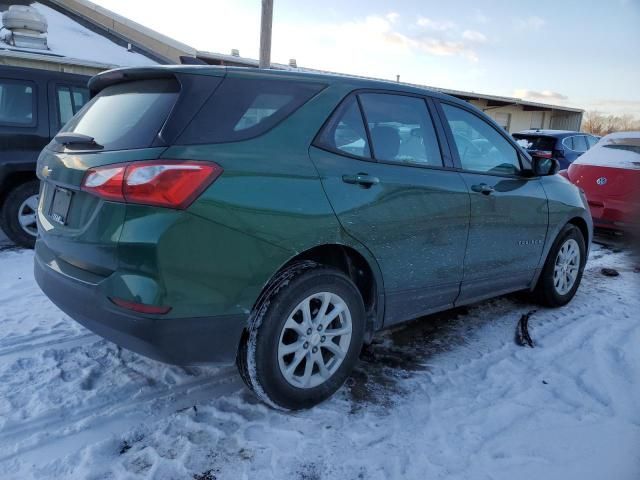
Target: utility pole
265,33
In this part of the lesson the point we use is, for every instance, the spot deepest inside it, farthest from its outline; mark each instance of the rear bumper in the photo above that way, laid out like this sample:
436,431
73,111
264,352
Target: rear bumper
615,214
180,341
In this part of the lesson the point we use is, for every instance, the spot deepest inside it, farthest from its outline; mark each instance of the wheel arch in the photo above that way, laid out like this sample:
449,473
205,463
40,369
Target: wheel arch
584,228
360,267
14,179
578,222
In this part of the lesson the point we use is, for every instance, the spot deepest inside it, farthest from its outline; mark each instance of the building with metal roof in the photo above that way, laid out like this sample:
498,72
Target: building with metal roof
107,40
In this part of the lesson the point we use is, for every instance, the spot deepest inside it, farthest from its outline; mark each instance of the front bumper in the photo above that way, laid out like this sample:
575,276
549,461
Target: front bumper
180,341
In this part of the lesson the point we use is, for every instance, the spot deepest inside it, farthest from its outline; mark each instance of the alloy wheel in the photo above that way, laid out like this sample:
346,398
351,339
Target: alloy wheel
314,340
567,265
27,215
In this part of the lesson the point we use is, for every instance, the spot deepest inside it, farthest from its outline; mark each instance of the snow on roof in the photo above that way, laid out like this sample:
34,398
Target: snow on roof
67,38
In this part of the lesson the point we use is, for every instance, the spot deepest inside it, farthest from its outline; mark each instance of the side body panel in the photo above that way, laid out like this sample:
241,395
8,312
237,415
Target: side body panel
415,222
256,217
507,234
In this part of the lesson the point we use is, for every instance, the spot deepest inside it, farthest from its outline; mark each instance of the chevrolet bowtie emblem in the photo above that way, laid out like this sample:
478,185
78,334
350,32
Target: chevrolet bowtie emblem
46,171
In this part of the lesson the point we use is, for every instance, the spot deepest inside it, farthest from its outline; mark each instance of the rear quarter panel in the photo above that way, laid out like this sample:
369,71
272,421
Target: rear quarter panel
267,207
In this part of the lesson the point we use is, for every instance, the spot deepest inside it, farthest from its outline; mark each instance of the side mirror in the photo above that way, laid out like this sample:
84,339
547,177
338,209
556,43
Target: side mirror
543,166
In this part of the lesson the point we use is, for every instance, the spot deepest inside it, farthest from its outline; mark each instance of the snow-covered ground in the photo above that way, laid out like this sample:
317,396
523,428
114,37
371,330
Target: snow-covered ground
450,396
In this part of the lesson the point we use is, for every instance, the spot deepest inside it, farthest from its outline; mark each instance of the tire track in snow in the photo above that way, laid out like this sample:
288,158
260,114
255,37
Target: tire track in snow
29,348
58,434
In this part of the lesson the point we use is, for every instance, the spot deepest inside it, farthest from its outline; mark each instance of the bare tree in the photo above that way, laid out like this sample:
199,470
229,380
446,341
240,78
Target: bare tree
596,123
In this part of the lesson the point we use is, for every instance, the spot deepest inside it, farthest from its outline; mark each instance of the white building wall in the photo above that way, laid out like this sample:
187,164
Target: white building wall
518,118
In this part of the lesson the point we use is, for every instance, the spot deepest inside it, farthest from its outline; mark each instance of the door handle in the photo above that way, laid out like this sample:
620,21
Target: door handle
361,179
483,188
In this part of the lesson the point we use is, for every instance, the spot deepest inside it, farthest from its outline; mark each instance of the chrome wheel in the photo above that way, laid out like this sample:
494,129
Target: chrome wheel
314,340
27,215
565,271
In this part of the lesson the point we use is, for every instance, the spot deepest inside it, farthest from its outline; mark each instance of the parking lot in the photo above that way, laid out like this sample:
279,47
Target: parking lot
450,395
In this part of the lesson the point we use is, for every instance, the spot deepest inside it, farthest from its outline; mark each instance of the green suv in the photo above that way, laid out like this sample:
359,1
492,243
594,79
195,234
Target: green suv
278,219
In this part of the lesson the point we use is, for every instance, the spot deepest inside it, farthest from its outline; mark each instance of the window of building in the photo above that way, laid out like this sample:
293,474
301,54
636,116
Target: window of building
537,120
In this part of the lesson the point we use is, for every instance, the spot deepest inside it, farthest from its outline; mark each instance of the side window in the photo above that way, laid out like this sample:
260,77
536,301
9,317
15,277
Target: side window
591,140
345,131
577,143
580,143
401,129
70,101
480,147
243,108
567,142
263,106
17,103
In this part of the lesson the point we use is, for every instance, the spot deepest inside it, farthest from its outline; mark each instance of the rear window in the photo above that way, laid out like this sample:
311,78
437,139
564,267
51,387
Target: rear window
127,115
535,142
245,108
628,148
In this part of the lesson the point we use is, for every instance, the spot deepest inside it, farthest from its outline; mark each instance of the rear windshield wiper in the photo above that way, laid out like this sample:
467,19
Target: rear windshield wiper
79,139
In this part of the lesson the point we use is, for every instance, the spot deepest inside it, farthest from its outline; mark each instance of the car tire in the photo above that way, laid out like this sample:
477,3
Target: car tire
291,362
20,204
563,269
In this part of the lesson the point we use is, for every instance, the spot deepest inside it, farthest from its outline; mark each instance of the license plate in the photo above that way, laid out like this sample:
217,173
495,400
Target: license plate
60,205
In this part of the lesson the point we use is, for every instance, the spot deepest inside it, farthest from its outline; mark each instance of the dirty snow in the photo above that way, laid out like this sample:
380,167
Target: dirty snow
68,38
450,396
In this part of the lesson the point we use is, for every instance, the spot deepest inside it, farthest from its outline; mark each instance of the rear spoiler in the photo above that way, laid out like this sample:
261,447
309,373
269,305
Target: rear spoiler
128,74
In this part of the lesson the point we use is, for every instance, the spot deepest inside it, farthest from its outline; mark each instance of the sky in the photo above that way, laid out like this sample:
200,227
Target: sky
584,54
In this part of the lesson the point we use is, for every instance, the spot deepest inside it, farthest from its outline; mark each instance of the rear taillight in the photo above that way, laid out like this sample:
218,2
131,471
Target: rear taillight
163,183
542,153
140,307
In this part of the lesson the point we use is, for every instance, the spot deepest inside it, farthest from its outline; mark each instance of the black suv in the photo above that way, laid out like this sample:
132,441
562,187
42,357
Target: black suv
563,145
34,105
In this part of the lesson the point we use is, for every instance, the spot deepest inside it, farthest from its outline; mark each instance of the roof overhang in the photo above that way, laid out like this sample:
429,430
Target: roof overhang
493,101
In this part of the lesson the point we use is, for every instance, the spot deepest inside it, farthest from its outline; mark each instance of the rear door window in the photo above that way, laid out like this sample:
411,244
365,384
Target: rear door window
17,103
70,100
243,108
345,132
577,143
127,115
591,140
401,129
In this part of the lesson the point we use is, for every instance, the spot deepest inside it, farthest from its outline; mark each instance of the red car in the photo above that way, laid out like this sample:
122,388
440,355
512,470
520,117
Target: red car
609,174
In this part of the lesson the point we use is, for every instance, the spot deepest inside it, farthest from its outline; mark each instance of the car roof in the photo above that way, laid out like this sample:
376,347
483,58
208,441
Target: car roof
39,73
121,74
550,133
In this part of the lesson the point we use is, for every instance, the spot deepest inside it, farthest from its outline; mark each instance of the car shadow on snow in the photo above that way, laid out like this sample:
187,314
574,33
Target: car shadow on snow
399,353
